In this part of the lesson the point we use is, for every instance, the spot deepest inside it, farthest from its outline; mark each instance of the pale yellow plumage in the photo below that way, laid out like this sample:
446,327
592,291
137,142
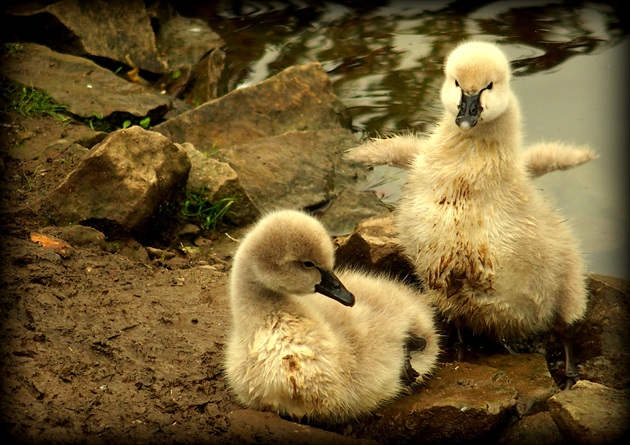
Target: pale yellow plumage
303,355
477,229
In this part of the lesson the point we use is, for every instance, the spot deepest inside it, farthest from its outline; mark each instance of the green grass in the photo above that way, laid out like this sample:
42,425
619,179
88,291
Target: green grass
197,209
30,102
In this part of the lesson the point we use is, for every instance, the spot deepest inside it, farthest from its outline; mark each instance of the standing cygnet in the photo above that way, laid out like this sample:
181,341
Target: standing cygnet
294,351
477,229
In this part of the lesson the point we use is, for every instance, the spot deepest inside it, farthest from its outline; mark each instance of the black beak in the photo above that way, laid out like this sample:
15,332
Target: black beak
332,287
469,111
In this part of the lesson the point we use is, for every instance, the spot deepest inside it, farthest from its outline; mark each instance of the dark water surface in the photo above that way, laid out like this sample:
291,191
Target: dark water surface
385,62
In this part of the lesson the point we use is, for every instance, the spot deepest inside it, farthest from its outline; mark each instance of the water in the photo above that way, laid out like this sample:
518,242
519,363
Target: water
385,62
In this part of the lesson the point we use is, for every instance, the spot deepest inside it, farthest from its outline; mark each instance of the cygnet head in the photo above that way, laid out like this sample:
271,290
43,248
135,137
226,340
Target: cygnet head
290,252
477,84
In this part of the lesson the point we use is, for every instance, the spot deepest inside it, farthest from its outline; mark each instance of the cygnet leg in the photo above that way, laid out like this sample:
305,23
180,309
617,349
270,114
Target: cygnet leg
571,374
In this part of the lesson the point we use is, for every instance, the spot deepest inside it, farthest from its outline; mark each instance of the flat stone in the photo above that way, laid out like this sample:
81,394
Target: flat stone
538,428
298,98
119,31
460,402
86,88
591,413
530,375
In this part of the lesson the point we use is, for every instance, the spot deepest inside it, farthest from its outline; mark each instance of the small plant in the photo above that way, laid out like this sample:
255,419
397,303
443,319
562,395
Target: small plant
144,123
198,209
29,101
99,121
213,150
30,179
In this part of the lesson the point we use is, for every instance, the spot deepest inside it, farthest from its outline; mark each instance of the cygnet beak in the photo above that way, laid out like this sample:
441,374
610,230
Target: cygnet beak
469,111
332,287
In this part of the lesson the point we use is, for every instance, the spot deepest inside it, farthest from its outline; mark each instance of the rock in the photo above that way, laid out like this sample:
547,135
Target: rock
348,207
204,82
530,376
591,413
610,369
535,429
86,88
298,169
248,426
61,149
216,180
159,253
116,30
130,248
461,402
185,41
122,183
78,235
28,146
281,170
65,151
195,59
298,98
373,246
601,340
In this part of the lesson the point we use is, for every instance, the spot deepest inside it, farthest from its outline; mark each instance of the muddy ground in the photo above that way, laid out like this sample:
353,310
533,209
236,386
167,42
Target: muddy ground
98,344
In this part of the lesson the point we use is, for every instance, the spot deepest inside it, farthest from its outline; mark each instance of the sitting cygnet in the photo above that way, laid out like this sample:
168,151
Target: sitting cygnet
306,346
477,229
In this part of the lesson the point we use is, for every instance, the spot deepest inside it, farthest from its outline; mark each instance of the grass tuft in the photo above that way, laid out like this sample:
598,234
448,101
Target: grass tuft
29,101
196,208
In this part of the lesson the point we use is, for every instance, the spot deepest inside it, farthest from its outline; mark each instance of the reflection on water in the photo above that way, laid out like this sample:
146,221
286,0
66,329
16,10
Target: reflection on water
385,62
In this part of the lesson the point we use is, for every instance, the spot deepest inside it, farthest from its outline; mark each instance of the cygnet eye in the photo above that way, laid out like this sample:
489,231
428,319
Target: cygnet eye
489,87
308,264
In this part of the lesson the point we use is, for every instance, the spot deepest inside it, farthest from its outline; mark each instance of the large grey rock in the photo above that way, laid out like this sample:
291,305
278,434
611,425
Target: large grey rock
86,88
299,169
298,98
294,169
122,183
348,207
592,414
117,30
